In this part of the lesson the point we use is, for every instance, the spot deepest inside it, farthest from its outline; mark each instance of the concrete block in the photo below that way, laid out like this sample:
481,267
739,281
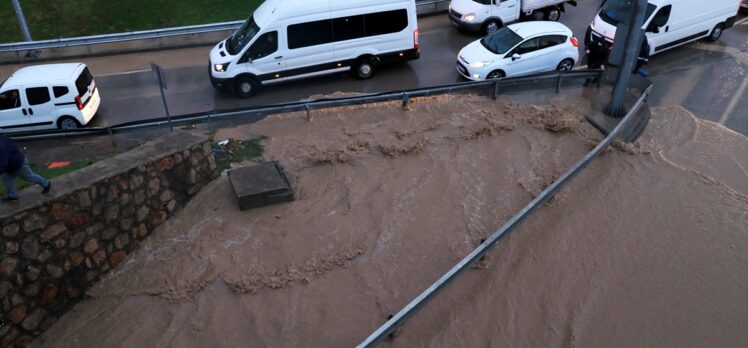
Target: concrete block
260,185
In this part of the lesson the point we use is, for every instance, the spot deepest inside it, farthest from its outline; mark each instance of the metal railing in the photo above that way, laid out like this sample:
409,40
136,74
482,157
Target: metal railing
259,112
137,35
411,308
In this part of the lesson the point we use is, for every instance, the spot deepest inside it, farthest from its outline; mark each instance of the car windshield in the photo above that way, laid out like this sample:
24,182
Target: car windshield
484,2
501,40
242,36
617,11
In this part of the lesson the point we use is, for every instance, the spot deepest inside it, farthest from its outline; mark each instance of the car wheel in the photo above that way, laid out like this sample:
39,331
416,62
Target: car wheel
364,69
716,33
496,74
552,14
245,86
491,26
67,122
565,65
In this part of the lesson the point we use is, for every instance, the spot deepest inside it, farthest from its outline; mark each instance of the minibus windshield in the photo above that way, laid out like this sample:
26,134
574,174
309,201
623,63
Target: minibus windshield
242,36
617,11
501,40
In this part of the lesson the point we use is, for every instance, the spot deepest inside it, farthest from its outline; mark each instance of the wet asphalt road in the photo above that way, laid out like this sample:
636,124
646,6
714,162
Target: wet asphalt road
708,79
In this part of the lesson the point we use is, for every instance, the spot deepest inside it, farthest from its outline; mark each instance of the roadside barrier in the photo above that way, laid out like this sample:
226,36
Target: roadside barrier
253,114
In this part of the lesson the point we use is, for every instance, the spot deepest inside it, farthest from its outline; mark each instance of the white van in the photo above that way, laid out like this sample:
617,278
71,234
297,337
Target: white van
290,39
669,23
489,15
48,96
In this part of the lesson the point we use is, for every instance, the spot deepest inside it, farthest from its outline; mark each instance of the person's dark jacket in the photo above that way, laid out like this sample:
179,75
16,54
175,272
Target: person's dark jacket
598,54
11,159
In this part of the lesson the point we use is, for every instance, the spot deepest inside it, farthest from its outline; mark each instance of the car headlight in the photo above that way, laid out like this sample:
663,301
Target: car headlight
220,67
469,17
479,64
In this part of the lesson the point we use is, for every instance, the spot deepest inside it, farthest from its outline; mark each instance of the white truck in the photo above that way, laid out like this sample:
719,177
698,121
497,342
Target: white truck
489,15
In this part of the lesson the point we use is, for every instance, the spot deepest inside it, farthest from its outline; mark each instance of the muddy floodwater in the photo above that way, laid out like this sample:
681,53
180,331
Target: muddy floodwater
648,247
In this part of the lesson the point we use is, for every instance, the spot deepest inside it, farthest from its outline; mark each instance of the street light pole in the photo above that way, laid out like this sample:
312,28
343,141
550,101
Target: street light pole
626,47
22,21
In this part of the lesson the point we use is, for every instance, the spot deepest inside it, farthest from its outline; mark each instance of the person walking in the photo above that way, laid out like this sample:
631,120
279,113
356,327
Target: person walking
13,164
597,56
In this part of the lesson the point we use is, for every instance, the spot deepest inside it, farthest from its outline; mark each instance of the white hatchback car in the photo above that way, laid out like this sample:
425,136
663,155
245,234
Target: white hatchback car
48,96
520,49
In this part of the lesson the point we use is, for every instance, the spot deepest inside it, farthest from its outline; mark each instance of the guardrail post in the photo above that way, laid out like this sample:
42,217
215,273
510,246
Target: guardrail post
558,83
600,79
308,112
406,100
495,89
111,135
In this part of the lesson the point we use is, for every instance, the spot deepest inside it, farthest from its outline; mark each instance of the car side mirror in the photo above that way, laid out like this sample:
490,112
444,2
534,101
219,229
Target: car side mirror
654,29
516,56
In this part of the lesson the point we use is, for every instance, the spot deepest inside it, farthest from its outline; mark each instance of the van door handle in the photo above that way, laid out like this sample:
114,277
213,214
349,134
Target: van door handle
24,112
667,28
31,111
278,57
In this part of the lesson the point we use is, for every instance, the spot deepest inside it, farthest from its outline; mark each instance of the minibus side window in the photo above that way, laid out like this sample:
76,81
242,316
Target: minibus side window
388,22
348,28
265,45
309,34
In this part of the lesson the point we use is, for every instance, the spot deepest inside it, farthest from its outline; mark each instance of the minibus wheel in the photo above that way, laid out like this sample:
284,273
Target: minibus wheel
364,69
245,86
68,122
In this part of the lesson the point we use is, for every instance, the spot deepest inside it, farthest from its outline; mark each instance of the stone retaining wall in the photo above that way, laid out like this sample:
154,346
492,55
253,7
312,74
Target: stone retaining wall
54,248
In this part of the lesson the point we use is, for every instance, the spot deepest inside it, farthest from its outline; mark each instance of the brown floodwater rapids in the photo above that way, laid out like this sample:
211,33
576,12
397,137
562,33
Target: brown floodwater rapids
647,247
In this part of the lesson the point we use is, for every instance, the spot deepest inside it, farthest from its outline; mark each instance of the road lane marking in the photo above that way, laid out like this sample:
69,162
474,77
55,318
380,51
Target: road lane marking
123,73
740,22
734,101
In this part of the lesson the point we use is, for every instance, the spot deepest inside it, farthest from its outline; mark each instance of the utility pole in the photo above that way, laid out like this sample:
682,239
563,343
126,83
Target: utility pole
22,21
626,47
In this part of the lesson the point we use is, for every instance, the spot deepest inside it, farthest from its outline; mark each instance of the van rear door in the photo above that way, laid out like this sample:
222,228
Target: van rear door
85,85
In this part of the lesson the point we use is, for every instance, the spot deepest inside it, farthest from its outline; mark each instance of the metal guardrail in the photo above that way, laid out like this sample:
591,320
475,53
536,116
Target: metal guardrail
137,35
411,308
259,112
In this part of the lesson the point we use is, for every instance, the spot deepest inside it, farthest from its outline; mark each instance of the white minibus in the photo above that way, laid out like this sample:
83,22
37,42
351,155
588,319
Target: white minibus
291,39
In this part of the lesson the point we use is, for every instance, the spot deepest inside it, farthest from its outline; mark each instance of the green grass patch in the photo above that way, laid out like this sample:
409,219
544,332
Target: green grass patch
52,19
48,174
238,151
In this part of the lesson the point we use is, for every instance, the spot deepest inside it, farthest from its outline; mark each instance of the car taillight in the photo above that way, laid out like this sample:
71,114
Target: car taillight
415,39
574,41
78,102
